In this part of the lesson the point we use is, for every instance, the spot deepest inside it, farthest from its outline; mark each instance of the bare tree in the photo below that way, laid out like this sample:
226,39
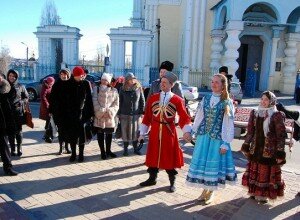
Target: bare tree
5,59
49,14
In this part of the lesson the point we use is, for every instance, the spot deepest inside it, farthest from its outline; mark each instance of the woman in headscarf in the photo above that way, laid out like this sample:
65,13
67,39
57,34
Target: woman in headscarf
264,149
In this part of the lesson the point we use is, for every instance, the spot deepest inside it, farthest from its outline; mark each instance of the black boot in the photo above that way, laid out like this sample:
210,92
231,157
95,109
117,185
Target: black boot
172,183
19,138
125,153
12,144
151,180
108,139
100,139
80,156
67,148
73,153
19,149
9,171
60,149
135,148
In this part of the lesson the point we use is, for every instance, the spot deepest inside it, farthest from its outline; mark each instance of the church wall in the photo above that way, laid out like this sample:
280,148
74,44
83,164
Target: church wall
170,18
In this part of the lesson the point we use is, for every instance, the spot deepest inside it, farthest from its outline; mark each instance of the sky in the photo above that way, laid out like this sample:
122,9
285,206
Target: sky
19,19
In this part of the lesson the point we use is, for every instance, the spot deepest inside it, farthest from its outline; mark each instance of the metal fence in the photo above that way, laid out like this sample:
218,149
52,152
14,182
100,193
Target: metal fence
25,72
200,79
95,69
138,72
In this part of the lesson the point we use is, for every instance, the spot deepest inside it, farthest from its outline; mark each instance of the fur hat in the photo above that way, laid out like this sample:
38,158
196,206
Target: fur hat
129,76
171,77
67,71
166,65
107,77
50,80
223,69
78,71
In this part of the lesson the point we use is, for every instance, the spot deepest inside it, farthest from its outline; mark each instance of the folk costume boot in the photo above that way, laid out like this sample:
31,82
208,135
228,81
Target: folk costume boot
209,197
150,181
202,197
135,148
80,156
125,153
172,183
100,139
73,153
108,139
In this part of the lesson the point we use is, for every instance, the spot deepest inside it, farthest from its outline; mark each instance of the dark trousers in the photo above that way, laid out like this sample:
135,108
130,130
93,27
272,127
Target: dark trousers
17,136
4,151
154,171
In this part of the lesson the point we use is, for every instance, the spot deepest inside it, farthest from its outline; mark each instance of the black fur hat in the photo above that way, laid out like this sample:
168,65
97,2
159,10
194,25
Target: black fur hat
166,65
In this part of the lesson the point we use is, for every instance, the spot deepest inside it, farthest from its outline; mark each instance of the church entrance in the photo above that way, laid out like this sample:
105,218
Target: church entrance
250,56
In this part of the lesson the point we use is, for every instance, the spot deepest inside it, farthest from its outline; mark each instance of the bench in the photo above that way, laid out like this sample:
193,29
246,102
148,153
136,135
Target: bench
241,118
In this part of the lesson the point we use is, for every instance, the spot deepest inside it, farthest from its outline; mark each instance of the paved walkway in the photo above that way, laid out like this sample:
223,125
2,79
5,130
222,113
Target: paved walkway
49,187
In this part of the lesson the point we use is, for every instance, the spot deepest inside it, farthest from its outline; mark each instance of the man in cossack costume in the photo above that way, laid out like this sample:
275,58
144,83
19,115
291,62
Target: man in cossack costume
163,150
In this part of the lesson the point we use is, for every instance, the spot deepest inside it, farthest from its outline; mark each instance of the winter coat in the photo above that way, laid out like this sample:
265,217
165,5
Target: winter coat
132,101
45,97
261,149
78,109
7,123
105,100
58,101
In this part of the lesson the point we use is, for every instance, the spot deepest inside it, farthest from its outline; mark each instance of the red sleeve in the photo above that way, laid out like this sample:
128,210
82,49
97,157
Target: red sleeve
147,119
184,118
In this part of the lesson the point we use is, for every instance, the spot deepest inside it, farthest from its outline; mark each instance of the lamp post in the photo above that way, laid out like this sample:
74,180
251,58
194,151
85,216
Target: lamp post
26,51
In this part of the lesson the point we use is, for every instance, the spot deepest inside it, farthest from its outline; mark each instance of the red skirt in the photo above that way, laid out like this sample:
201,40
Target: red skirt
263,180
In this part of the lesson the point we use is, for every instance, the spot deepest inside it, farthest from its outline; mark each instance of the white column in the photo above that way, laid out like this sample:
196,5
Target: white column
195,40
146,16
232,45
289,69
113,54
122,54
201,34
187,40
275,39
216,49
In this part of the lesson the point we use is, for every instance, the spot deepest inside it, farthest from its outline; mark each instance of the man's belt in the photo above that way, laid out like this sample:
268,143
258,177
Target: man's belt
167,124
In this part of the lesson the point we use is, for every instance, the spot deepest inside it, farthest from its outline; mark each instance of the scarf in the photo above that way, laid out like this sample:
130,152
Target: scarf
266,113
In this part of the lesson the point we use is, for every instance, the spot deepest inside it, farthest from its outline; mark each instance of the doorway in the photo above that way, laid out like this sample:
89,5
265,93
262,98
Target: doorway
250,54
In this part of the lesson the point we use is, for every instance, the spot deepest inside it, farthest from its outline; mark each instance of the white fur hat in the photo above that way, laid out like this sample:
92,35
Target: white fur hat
107,77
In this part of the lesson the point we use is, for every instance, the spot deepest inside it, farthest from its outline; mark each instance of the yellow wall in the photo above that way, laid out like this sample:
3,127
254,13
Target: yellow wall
170,19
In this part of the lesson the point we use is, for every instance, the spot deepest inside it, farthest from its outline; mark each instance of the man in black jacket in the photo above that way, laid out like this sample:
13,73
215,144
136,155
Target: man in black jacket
6,127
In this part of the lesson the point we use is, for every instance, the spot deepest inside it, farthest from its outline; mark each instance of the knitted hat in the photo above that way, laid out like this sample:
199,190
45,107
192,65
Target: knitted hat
107,77
166,65
223,69
50,80
78,71
129,76
170,76
67,71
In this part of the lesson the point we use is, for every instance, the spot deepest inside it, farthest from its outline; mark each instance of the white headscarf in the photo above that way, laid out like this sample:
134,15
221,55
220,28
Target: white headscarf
267,113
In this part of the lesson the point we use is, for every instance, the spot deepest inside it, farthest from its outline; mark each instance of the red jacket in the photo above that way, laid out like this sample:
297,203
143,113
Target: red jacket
44,108
164,152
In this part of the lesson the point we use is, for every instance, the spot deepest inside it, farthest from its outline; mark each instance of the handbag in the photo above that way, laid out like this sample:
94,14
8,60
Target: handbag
28,115
88,132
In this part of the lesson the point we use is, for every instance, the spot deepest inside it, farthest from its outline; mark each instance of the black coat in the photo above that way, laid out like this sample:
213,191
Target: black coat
73,107
7,123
